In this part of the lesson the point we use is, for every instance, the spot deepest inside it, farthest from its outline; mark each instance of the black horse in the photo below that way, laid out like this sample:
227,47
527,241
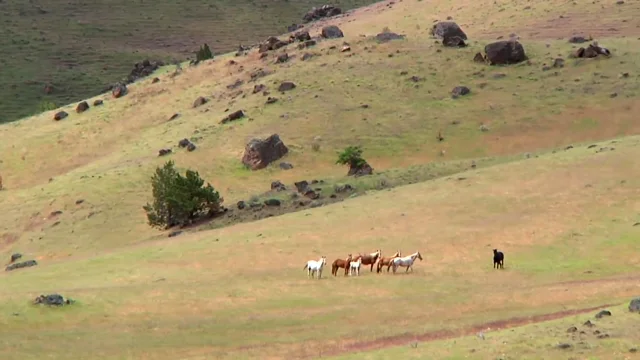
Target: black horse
498,259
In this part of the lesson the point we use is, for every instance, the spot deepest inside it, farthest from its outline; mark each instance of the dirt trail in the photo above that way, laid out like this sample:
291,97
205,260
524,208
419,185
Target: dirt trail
404,339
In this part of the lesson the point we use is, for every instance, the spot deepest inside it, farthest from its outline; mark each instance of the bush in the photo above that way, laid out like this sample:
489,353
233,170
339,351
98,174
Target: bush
178,200
204,53
351,156
47,106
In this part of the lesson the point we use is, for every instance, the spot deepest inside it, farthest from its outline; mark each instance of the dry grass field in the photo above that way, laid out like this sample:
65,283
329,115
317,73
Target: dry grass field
564,215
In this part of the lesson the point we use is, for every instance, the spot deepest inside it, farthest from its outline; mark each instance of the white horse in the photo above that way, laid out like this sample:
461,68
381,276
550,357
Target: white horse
354,267
406,261
314,267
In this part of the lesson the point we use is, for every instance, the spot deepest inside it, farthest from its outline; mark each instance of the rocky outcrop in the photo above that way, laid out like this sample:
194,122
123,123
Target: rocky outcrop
321,12
259,153
505,52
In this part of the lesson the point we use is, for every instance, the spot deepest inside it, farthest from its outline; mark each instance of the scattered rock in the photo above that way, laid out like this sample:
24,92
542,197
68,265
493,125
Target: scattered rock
272,43
479,58
60,115
362,170
272,202
633,350
79,201
144,69
199,101
558,63
271,100
634,305
345,48
286,86
278,186
578,39
306,44
388,36
505,52
52,300
184,143
572,329
282,58
15,257
306,56
174,233
603,313
321,12
259,153
304,188
484,128
258,88
82,107
315,204
588,323
342,188
163,152
174,116
155,80
258,73
20,265
241,205
459,91
119,90
233,116
191,147
444,29
564,346
294,27
302,36
285,166
332,32
98,102
593,50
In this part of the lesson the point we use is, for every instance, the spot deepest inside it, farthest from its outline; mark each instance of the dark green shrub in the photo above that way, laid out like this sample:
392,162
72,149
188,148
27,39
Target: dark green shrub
179,200
351,156
204,53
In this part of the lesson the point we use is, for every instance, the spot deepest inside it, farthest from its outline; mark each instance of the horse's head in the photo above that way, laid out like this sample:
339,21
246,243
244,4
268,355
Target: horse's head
397,254
419,256
323,260
495,251
349,257
378,254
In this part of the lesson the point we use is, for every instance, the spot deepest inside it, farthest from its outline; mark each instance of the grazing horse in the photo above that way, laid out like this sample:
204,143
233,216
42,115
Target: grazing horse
369,259
406,261
386,261
314,267
498,259
341,263
354,267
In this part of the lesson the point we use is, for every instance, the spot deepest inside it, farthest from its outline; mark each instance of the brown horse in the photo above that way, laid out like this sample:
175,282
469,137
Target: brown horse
341,263
386,261
369,259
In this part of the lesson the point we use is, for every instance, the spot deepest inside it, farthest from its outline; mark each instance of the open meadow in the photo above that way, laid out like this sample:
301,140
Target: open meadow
537,161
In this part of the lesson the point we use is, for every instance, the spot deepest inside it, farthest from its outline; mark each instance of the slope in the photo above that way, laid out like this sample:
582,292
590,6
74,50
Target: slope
564,221
106,155
78,48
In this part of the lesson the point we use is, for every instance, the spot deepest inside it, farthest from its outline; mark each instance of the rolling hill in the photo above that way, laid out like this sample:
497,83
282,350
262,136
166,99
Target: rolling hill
537,160
59,52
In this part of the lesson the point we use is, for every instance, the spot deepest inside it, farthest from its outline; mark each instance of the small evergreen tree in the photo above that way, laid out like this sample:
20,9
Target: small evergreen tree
351,156
204,53
178,200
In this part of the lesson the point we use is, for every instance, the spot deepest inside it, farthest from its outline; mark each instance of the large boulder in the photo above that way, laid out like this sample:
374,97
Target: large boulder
332,32
447,29
505,52
362,170
321,12
261,152
634,305
143,69
119,90
52,300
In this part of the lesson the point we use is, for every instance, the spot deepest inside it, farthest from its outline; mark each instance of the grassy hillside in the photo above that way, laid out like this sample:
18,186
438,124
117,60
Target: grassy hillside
81,47
554,187
564,221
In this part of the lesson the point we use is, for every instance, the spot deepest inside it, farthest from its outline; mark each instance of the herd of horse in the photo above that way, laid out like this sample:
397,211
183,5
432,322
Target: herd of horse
352,265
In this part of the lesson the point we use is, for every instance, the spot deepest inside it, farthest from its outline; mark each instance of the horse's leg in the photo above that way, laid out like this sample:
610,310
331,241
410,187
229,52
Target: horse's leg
319,273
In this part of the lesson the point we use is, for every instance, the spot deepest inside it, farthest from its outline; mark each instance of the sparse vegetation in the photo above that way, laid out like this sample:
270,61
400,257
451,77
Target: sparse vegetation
204,53
553,185
179,200
352,156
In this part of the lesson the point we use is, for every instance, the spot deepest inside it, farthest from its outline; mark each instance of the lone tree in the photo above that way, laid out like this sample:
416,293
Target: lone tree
178,200
352,156
204,53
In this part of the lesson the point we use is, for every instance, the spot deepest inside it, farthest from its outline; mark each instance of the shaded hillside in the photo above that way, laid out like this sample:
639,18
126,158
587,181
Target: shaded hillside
79,47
